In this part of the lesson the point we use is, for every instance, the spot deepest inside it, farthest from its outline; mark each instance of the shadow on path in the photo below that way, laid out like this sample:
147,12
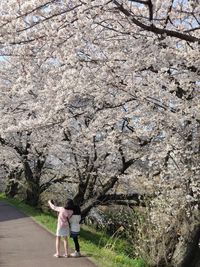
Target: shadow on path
7,214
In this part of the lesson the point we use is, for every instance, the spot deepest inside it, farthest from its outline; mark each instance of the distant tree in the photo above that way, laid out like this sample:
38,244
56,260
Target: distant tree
33,165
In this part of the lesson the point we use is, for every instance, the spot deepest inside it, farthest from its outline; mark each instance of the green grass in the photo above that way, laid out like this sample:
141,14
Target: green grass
99,247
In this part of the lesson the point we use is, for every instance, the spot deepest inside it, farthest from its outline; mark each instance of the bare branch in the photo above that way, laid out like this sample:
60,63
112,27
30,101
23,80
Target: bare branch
153,28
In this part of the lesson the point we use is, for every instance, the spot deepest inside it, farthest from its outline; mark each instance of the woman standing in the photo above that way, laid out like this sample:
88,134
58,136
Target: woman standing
64,214
75,229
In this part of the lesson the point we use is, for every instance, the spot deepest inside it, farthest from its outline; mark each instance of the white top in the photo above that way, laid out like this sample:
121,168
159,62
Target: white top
75,223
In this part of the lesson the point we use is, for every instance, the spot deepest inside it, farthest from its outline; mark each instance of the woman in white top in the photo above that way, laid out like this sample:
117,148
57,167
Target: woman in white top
75,229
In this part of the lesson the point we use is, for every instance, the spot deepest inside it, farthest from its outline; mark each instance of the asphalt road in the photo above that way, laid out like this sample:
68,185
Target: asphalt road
24,243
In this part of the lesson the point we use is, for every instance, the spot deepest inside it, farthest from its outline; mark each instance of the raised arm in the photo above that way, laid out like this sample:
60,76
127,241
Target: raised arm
53,207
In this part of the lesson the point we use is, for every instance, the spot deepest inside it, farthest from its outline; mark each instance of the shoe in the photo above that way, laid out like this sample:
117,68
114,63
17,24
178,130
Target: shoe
56,255
65,256
75,254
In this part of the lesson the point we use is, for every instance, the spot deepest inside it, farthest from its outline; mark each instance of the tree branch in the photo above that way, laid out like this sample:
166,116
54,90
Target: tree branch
154,29
52,181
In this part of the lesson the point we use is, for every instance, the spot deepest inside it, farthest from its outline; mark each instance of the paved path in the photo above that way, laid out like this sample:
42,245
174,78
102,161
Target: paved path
24,243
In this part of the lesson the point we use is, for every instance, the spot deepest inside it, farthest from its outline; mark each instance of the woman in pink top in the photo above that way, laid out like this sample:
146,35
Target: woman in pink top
64,213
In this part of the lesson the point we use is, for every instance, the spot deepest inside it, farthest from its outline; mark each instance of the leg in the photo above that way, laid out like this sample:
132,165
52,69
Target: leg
58,238
76,243
66,247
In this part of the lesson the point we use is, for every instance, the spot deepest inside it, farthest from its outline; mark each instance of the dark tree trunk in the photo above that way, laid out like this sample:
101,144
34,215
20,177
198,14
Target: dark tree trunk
12,189
181,243
33,195
80,195
33,186
187,251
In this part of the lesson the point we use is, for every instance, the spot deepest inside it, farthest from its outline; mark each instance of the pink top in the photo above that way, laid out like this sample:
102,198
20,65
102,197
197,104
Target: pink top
62,216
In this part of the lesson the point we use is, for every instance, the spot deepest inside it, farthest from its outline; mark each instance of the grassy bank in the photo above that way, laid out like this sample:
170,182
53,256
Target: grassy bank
102,249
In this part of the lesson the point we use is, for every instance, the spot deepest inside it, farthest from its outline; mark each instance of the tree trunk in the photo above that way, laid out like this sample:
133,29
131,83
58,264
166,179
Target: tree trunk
187,252
32,194
33,187
11,188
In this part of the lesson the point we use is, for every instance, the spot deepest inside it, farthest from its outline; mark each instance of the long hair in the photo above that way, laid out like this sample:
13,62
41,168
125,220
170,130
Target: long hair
69,204
76,210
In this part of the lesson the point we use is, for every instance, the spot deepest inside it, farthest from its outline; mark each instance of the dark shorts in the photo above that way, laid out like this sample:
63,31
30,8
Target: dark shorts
74,234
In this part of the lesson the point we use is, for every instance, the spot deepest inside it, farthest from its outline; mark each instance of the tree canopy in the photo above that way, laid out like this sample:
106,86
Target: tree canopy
112,87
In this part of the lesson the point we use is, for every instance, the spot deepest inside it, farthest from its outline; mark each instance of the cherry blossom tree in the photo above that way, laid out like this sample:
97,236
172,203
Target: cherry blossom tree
120,79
